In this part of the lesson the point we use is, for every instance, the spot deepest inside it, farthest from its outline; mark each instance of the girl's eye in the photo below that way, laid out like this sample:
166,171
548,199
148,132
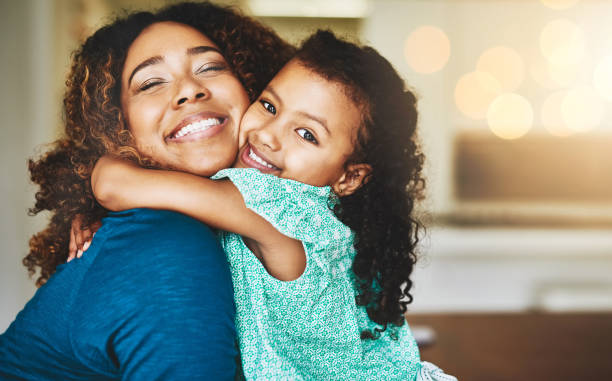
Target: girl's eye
268,106
307,135
210,67
149,83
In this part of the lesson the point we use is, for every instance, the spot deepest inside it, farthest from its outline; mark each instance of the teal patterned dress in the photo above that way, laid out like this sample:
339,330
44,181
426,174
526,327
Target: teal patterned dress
308,328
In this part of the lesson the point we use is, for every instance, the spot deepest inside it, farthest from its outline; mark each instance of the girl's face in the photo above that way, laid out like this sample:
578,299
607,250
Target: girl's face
182,103
302,127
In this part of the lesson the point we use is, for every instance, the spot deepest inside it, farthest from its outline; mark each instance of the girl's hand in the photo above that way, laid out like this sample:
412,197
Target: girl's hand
80,237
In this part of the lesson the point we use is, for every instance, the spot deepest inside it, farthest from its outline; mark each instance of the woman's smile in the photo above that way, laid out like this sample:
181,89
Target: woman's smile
197,126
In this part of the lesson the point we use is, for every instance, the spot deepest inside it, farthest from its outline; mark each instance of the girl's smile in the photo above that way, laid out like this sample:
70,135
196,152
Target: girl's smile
252,158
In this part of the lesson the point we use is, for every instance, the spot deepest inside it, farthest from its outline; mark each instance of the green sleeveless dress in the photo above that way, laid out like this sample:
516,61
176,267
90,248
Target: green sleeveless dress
308,328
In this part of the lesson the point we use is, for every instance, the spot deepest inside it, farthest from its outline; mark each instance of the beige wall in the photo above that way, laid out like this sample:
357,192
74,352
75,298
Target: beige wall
25,111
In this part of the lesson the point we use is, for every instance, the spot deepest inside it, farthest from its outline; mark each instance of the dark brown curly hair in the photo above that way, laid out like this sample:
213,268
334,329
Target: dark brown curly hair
94,125
381,211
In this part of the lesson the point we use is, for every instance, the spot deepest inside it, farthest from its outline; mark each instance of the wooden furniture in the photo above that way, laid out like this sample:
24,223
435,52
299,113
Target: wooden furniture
521,346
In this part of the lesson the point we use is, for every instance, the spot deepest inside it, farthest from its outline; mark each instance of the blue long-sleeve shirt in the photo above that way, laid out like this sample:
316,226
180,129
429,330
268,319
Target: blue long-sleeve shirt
150,299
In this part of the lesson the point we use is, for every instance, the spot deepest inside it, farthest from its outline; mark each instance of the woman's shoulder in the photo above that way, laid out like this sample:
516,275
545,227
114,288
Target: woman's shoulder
147,235
143,221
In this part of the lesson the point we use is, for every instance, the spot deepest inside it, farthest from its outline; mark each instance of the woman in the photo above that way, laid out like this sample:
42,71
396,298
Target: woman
95,124
153,297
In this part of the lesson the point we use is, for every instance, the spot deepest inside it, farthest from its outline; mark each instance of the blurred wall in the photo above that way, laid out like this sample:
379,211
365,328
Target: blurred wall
548,258
25,113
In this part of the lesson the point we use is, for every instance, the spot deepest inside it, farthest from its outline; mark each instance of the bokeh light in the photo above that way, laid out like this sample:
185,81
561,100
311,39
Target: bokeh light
474,93
505,64
562,42
564,75
539,70
582,109
553,76
510,116
559,4
602,78
551,115
427,49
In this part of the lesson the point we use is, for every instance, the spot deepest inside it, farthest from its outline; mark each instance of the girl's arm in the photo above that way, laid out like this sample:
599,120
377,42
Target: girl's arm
120,185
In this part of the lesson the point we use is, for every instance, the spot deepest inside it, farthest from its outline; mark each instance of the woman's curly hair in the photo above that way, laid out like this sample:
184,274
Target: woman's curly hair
381,211
94,125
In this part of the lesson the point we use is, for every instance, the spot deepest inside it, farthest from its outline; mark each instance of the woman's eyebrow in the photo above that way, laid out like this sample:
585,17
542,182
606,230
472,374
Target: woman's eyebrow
143,64
157,59
202,49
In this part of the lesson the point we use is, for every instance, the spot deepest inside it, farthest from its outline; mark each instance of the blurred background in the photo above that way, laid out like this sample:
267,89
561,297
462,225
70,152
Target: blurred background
514,95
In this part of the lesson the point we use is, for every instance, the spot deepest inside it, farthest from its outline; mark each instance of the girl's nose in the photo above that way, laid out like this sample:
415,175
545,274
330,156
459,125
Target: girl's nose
268,136
189,90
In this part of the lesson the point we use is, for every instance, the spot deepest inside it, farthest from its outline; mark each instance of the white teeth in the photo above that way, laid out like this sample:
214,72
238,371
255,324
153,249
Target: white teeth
198,126
259,159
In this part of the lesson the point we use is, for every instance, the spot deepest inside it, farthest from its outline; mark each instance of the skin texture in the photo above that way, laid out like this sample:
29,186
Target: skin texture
176,86
302,127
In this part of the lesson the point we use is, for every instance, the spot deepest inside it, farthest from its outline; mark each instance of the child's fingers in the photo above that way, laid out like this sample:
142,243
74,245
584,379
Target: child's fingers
72,247
82,236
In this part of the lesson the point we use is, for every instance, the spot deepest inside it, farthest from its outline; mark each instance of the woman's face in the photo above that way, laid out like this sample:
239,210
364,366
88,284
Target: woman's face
182,103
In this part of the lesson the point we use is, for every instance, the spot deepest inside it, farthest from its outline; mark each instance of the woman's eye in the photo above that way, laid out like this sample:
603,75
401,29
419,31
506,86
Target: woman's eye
210,67
307,135
149,84
268,106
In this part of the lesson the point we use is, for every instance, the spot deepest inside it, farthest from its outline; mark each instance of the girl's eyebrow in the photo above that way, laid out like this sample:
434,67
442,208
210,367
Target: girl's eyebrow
320,121
315,118
157,59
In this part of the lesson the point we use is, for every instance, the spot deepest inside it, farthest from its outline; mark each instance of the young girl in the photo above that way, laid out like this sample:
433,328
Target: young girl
323,234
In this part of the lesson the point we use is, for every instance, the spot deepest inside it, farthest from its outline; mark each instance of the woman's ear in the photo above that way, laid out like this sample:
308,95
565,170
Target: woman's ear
353,177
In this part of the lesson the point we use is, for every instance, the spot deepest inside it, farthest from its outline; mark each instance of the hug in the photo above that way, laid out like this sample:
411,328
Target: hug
252,205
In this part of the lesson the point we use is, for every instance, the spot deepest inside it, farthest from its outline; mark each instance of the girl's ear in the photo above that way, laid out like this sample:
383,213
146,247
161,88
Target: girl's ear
353,177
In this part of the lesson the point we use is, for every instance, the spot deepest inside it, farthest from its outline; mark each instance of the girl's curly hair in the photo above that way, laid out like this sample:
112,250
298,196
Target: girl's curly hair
94,125
381,211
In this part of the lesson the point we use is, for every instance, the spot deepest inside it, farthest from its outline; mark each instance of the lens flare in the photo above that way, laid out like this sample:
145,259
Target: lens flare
510,116
427,49
474,93
602,78
505,64
552,116
582,109
562,42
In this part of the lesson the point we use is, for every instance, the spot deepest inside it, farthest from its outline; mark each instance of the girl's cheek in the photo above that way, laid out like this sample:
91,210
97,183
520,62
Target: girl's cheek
245,127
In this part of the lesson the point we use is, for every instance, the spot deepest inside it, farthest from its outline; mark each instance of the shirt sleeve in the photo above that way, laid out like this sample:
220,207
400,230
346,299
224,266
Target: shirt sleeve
160,300
298,210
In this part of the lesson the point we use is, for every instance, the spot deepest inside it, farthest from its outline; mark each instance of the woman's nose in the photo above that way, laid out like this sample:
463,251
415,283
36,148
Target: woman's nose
189,90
